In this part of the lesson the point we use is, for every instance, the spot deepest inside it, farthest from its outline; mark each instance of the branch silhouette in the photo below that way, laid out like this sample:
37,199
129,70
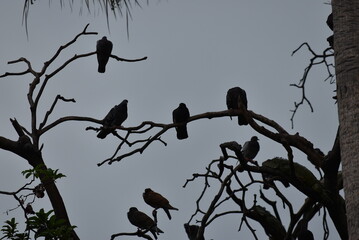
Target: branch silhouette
317,59
28,144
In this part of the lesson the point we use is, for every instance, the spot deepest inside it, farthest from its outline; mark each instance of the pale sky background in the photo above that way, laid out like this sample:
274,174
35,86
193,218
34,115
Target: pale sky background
196,51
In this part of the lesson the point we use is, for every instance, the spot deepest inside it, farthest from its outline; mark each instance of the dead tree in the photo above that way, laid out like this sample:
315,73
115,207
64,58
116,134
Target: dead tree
321,193
28,145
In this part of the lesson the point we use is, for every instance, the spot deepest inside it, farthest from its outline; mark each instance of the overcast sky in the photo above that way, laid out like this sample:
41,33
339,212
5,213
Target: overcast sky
196,51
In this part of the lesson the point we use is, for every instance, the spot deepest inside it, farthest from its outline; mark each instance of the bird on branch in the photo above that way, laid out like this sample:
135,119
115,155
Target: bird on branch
115,117
142,221
157,201
250,149
181,115
237,99
103,51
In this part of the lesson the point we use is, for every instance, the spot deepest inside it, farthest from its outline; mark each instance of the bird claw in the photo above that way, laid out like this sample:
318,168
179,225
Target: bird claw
154,214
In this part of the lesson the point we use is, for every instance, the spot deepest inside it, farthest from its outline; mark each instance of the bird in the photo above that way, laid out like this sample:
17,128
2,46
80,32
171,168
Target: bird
302,231
181,115
305,235
192,231
237,99
29,209
115,117
157,201
250,149
103,51
330,21
142,221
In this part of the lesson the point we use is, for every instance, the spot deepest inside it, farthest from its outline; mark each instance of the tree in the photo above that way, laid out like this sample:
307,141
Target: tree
226,172
28,144
346,36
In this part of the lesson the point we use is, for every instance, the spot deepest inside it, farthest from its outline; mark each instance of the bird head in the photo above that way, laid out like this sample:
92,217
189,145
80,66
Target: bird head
133,209
254,138
147,190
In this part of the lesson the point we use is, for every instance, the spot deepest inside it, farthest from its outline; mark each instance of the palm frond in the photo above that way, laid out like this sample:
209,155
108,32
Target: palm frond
106,6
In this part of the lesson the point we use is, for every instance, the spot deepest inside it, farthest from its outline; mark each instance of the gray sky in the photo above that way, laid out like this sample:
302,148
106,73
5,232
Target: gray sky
196,51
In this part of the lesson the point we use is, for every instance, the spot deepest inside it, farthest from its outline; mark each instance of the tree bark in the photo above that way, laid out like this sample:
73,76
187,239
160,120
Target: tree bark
346,49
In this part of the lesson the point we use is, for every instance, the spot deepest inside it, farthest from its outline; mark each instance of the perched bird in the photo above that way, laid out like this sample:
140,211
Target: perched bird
157,201
116,116
302,231
29,209
250,149
330,21
39,191
305,235
142,221
237,99
192,231
180,115
103,50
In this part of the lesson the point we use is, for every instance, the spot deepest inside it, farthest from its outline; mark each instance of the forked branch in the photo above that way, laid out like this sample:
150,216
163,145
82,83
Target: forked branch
317,59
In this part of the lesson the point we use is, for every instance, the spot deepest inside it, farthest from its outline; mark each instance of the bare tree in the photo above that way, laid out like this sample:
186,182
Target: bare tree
253,205
28,146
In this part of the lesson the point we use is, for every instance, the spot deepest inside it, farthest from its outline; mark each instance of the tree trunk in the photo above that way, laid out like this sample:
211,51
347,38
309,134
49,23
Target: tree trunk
346,48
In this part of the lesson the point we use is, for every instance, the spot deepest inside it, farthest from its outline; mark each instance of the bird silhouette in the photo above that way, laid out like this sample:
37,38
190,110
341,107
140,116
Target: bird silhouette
250,149
305,235
157,201
115,117
103,51
302,231
181,115
142,221
237,99
330,21
192,231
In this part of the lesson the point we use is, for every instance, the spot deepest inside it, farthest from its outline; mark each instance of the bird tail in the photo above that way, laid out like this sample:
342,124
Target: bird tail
182,132
101,68
155,231
242,120
102,134
173,208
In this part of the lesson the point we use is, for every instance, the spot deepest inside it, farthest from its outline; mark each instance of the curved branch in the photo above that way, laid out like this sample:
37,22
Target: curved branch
281,136
286,139
66,119
142,128
75,57
84,32
128,60
29,68
58,97
139,233
317,59
47,78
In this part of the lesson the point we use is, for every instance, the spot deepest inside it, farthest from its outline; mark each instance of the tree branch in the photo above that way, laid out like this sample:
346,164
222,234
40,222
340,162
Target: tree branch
58,97
317,59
